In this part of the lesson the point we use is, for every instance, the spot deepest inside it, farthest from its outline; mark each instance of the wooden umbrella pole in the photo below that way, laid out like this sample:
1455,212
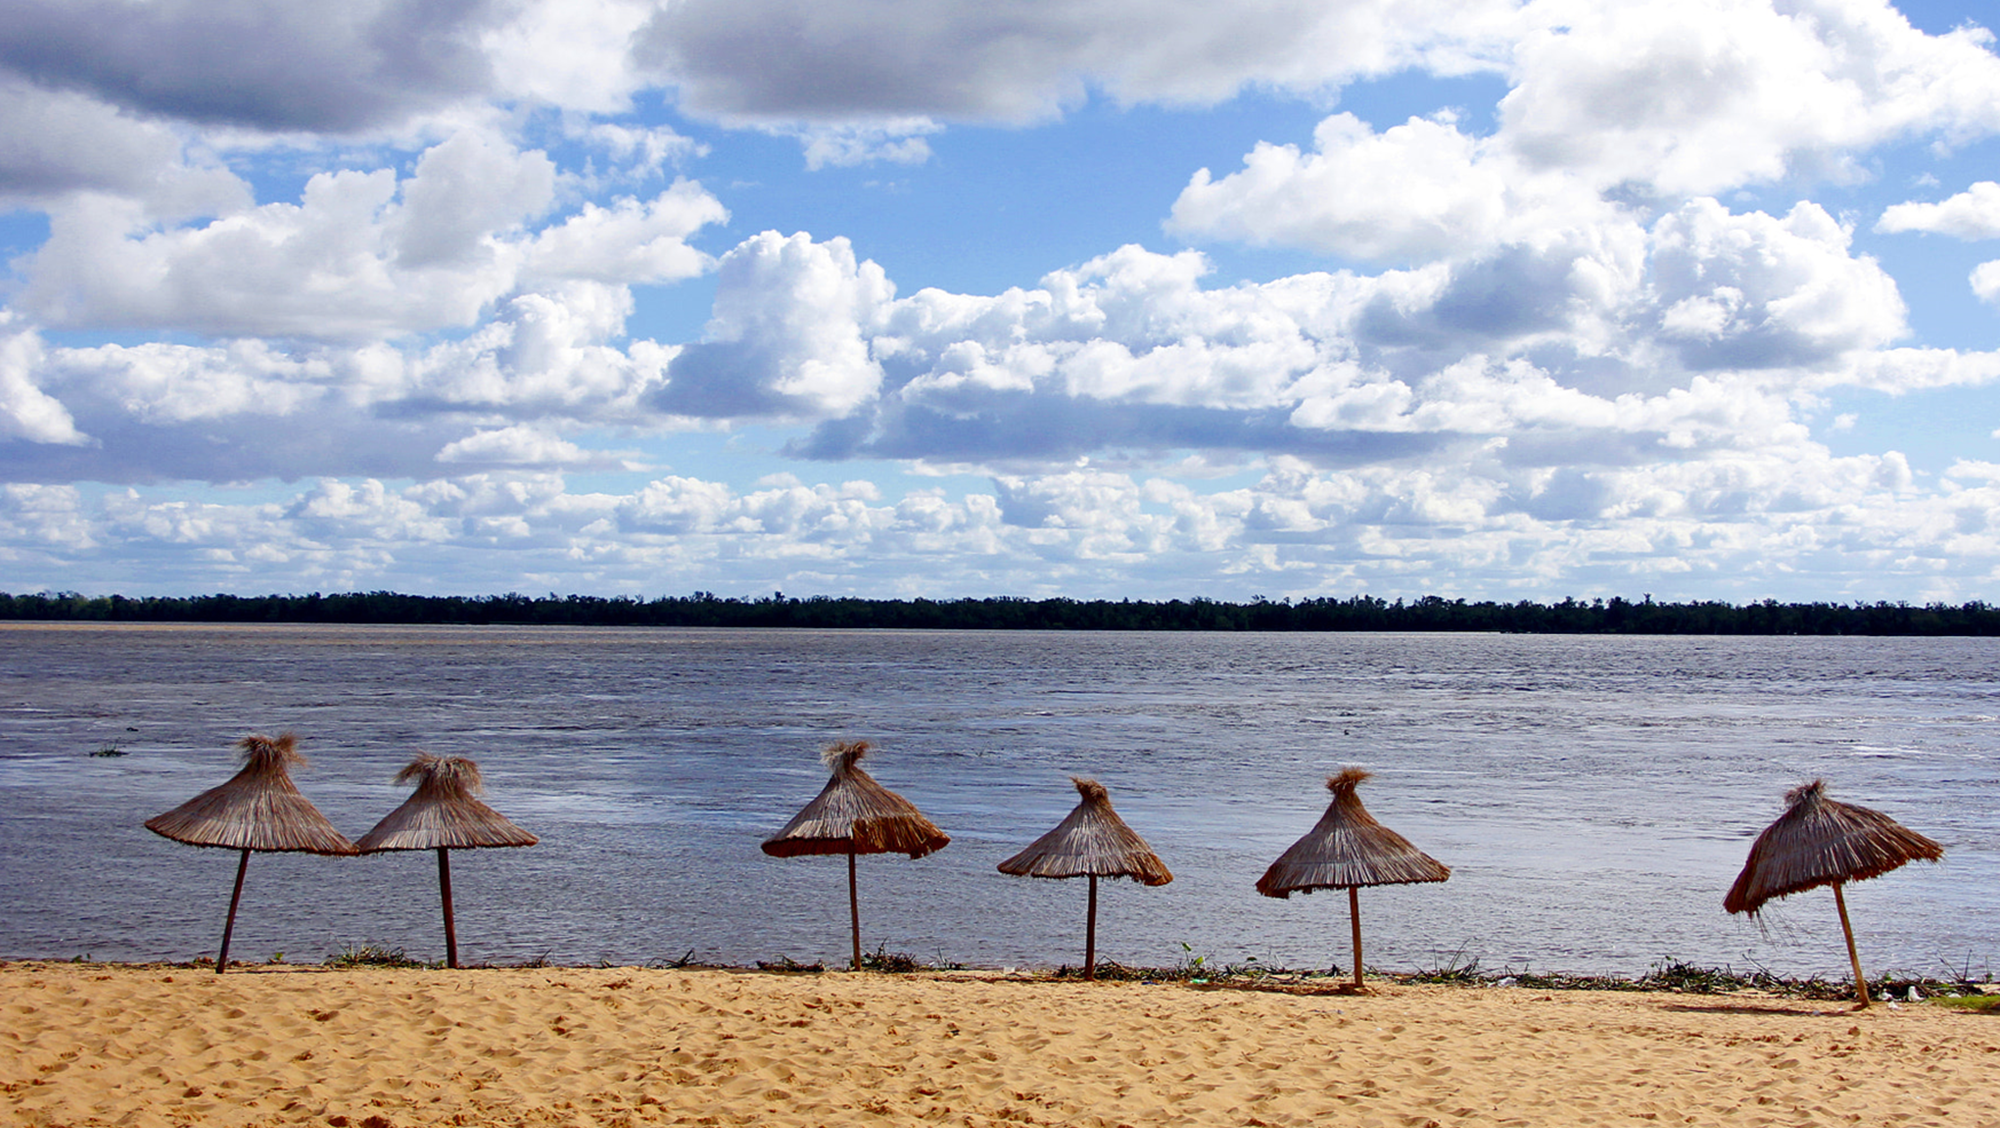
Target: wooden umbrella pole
1354,917
1853,957
222,957
444,889
1090,934
853,907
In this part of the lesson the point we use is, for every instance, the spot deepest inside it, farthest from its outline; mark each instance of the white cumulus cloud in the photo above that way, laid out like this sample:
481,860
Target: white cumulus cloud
786,337
1986,281
439,262
519,445
27,412
362,255
1416,191
1972,214
842,60
1689,97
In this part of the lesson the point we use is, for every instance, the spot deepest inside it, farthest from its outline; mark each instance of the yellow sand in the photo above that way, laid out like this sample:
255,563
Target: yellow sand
89,1044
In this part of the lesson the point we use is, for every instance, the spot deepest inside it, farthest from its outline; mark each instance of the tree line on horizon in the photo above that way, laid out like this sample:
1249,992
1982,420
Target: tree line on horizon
705,609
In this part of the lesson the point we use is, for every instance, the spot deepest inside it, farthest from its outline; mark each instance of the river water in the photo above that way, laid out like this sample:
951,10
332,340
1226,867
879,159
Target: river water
1594,796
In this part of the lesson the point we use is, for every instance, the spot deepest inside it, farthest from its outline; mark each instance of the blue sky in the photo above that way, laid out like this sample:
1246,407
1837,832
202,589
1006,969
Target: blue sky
1103,298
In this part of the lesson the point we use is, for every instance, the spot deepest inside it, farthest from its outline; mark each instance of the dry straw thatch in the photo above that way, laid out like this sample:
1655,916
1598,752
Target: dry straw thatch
1092,841
1820,841
444,812
259,808
1348,849
854,815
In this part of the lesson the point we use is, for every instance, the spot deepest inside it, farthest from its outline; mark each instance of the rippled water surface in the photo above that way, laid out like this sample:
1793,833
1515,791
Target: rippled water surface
1594,796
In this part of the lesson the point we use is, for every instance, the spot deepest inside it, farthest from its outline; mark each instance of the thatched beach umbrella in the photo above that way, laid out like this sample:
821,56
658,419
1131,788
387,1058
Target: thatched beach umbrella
1091,842
1819,841
1348,849
854,815
258,809
441,814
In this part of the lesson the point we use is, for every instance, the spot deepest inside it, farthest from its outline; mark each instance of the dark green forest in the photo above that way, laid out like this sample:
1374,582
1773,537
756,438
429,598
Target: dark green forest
705,609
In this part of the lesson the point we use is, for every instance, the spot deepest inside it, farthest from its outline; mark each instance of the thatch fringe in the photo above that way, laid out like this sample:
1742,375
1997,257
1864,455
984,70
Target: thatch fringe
1347,848
1820,841
853,813
442,812
1091,841
259,808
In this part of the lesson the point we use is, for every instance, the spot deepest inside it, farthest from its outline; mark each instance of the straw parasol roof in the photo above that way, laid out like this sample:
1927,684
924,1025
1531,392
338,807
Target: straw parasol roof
258,809
441,814
1816,842
443,811
855,815
1347,848
1820,841
1091,842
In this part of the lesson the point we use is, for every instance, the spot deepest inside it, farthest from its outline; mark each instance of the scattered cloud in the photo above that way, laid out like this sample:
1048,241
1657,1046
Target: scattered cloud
54,143
519,445
965,60
450,288
361,256
27,413
1730,528
896,141
1695,98
1986,281
259,64
785,340
1972,214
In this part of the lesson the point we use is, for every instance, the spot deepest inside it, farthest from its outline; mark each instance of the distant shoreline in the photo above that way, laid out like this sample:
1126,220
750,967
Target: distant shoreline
1361,613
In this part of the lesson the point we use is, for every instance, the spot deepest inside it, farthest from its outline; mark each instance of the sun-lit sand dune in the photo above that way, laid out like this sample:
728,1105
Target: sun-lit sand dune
92,1044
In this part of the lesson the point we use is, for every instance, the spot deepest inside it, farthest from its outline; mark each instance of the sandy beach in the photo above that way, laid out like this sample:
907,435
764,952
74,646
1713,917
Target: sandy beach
156,1046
